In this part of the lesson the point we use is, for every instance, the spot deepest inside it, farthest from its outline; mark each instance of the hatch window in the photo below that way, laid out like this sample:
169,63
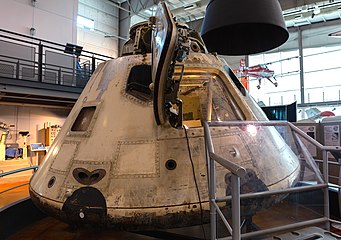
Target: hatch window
139,79
207,98
83,119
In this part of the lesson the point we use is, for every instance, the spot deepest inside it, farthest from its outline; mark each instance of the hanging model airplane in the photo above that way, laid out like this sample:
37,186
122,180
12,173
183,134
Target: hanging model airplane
131,153
259,72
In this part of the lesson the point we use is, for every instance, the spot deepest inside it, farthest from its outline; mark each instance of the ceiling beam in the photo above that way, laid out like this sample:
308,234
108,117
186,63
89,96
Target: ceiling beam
289,4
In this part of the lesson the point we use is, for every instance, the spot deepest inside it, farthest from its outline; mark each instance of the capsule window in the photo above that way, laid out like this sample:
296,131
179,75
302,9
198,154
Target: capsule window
139,79
83,119
51,182
170,164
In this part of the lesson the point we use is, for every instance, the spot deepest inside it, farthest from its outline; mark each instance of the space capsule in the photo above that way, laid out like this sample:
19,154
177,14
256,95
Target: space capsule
131,153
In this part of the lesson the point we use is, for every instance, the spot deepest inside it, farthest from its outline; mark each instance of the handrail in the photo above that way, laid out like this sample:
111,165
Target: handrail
234,168
275,192
237,172
243,123
45,41
305,136
18,171
24,62
285,227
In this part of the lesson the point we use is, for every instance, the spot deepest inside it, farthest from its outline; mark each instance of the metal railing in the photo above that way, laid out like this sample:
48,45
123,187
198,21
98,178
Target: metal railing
47,62
3,174
238,172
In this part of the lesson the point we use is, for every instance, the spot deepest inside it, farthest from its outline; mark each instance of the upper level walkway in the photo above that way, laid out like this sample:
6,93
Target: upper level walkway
38,71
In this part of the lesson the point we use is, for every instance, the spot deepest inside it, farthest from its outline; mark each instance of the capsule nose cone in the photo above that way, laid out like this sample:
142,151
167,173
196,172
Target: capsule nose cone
85,205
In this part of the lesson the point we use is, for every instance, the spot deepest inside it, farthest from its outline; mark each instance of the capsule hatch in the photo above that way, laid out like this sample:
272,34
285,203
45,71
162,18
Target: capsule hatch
169,49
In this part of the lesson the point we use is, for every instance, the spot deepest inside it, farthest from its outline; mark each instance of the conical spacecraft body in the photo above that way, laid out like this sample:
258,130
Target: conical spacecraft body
131,153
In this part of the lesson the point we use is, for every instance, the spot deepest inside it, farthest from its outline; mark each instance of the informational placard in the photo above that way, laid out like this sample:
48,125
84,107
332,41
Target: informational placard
331,136
311,131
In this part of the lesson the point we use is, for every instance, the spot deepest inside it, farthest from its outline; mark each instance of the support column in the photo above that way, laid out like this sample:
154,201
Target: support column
300,52
124,23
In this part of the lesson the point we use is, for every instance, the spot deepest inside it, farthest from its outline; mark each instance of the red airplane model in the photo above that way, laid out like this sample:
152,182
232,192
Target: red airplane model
258,71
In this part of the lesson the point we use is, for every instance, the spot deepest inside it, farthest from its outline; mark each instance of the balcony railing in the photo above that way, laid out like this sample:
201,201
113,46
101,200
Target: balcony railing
289,131
31,59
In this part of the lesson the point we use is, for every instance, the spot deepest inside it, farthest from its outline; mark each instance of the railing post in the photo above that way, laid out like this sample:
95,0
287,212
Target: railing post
40,62
235,180
17,72
211,181
93,64
212,189
326,190
59,76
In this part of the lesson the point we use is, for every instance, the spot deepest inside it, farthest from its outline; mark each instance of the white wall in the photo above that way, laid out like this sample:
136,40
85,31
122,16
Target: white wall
106,20
54,20
31,119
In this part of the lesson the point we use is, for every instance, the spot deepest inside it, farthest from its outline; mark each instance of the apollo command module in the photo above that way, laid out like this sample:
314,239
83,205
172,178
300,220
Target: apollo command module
131,153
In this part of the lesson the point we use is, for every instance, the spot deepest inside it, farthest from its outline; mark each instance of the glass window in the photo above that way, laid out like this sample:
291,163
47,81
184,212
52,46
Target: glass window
207,98
322,65
83,119
284,61
138,82
85,23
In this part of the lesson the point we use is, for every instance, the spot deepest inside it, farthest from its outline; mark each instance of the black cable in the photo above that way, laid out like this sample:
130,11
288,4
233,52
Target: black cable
196,184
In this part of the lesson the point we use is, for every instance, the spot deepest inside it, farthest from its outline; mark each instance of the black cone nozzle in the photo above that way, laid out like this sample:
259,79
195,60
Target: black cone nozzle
241,27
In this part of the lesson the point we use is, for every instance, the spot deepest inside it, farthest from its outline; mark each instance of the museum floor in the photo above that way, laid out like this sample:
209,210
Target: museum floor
50,228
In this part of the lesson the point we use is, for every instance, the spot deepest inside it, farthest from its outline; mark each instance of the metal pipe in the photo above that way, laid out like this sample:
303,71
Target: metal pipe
35,105
235,180
227,225
231,166
280,228
305,136
330,163
18,171
45,41
334,221
325,191
300,49
40,62
93,64
339,192
43,99
309,159
243,123
208,137
212,181
118,6
331,148
269,193
29,37
209,100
